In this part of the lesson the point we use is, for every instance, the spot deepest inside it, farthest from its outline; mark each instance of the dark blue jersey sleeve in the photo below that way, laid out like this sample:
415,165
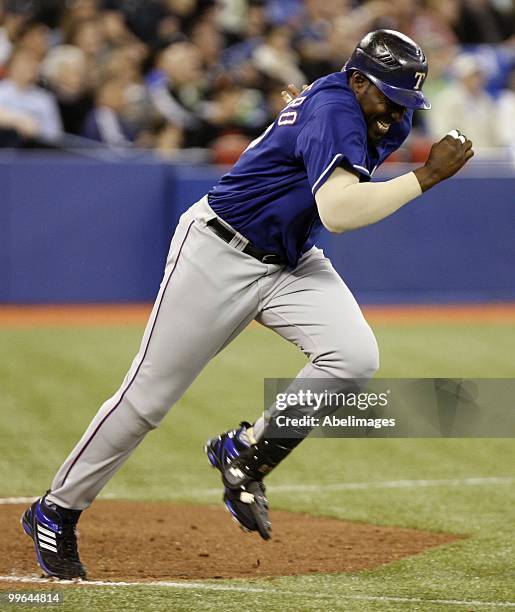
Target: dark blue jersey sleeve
334,135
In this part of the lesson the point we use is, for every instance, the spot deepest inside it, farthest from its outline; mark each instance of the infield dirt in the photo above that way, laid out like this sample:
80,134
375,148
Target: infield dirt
63,315
128,541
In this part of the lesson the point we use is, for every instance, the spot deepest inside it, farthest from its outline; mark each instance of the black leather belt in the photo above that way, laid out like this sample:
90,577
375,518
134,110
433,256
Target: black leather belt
227,234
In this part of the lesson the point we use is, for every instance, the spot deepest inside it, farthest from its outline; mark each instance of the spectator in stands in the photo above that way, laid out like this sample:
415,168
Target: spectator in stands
276,58
234,109
105,121
143,17
465,104
157,22
169,140
125,63
439,21
26,110
217,66
285,12
210,42
115,30
164,138
187,11
484,21
312,44
245,34
35,36
88,36
64,73
330,31
79,10
441,54
343,36
14,15
176,87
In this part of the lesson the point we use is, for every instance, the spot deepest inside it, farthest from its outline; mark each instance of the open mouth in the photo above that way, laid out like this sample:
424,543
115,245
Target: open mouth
383,126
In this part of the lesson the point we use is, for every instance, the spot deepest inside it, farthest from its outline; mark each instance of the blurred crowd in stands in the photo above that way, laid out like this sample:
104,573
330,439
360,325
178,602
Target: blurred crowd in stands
196,75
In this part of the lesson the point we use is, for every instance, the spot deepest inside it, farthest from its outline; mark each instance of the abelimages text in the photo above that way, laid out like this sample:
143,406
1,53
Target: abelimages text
283,420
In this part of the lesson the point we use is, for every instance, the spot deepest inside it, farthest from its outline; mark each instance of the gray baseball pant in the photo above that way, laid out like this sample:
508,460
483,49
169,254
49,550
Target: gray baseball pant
210,292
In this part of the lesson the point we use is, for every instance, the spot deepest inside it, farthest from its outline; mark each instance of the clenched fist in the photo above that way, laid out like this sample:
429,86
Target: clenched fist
446,157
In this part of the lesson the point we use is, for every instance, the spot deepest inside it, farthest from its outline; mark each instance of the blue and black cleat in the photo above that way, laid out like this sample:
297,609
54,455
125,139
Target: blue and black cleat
227,446
247,502
53,531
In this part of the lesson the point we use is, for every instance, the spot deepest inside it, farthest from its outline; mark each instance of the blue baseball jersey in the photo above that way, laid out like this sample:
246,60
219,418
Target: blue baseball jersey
269,194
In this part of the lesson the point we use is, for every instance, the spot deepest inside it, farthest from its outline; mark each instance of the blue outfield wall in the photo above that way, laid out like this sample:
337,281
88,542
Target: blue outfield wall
80,230
456,243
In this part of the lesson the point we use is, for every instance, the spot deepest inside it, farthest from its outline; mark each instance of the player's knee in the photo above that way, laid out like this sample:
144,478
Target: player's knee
151,407
365,360
123,433
351,357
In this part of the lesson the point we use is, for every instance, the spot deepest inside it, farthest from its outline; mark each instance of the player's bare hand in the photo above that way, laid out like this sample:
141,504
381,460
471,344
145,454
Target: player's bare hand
446,157
291,92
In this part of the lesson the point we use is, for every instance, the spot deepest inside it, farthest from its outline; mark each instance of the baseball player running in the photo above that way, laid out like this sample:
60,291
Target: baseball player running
246,251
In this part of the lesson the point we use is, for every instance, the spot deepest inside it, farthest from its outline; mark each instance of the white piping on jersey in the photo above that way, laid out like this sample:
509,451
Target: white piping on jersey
331,164
361,168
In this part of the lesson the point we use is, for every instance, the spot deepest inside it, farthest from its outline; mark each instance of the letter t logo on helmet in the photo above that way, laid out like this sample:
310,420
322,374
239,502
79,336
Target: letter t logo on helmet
395,64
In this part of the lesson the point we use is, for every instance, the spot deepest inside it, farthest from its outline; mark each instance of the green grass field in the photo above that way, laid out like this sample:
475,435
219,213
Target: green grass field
52,381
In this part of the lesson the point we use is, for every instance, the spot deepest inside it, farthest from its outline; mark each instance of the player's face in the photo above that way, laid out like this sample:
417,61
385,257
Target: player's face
379,111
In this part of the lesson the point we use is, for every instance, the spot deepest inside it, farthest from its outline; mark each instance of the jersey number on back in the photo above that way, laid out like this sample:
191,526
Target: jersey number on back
287,117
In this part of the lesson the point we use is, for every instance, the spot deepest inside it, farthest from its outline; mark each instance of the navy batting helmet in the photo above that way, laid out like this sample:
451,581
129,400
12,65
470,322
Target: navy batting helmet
395,64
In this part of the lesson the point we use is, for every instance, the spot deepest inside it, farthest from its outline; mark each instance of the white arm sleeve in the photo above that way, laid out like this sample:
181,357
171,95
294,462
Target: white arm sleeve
344,203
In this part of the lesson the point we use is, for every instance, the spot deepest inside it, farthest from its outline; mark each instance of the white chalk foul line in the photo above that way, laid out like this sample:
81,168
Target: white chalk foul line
338,486
16,500
205,586
395,484
363,486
